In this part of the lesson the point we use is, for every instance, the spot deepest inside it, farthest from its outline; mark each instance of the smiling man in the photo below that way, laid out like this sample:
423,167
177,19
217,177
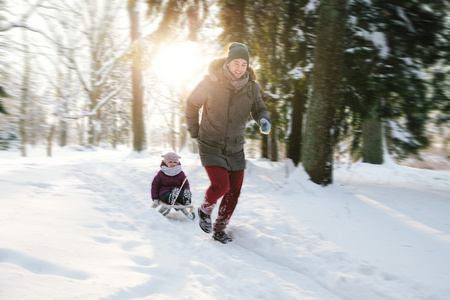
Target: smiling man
229,94
237,60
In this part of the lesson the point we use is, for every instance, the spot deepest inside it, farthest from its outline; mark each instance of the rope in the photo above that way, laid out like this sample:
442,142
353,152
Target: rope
184,181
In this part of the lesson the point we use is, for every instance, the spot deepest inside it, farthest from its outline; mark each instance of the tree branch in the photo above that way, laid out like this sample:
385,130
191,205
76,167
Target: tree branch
103,102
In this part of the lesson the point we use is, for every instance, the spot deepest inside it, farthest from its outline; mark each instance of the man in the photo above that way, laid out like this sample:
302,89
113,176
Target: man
228,95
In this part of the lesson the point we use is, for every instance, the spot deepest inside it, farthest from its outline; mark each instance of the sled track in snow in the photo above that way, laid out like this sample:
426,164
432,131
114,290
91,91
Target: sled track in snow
129,190
126,193
126,197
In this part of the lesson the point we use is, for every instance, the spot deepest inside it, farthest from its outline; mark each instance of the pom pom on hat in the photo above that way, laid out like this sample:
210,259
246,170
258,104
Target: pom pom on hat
237,50
171,156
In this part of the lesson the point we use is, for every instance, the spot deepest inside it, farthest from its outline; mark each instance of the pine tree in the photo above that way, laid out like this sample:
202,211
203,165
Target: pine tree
388,47
233,20
317,155
298,38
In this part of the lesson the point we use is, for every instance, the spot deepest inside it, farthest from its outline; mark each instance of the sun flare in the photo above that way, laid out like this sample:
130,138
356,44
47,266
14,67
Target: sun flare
180,65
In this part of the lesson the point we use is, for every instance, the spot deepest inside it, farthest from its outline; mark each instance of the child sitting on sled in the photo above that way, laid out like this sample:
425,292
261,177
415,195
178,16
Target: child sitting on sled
167,184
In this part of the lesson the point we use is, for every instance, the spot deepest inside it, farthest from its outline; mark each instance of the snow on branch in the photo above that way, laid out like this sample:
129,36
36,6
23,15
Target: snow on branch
104,101
401,13
107,67
21,22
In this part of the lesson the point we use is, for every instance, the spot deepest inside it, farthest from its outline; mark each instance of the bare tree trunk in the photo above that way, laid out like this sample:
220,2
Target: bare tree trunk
50,140
93,119
62,139
183,133
81,130
173,133
317,156
61,100
25,95
136,77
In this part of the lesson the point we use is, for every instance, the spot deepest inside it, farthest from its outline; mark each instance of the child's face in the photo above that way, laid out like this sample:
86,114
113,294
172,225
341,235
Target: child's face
172,164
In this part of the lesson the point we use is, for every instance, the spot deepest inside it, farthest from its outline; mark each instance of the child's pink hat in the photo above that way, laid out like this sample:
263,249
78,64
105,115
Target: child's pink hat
171,156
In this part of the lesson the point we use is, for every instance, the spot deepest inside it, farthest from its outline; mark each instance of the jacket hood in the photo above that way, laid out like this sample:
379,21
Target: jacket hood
215,70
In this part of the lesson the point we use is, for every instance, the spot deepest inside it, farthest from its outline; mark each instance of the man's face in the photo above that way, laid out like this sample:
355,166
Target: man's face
237,67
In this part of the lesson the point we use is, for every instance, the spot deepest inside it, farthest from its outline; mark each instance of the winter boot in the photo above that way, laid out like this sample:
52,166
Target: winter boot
205,221
164,210
187,197
173,195
222,237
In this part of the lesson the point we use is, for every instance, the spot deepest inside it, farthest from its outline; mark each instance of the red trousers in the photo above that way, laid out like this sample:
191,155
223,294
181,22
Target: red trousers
223,183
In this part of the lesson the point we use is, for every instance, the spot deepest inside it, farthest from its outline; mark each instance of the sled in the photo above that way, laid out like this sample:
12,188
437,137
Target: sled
166,208
187,210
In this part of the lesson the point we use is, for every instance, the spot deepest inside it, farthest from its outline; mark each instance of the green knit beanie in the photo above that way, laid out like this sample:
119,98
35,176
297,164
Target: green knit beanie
237,50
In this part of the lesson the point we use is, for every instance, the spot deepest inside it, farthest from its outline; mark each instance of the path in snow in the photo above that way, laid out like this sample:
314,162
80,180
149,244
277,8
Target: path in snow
207,269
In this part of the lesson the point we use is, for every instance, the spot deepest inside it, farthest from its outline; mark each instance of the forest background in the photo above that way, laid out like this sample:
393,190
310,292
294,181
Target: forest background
353,78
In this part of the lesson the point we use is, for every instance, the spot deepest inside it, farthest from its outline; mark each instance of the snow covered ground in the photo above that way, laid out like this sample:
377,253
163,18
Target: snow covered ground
79,226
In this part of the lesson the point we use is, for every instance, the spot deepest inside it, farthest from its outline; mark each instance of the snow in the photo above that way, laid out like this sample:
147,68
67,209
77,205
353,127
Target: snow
401,13
398,132
80,225
312,6
380,41
298,71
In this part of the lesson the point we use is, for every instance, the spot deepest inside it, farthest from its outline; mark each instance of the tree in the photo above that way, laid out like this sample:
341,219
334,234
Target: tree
16,125
256,25
266,20
233,20
5,134
90,45
317,155
104,54
136,78
389,46
298,38
3,94
25,95
280,35
19,21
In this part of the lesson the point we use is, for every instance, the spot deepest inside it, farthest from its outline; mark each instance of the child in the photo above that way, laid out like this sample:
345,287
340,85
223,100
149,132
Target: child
167,183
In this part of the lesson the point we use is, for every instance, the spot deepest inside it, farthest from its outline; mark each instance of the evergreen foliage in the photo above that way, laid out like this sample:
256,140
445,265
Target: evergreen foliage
389,47
395,71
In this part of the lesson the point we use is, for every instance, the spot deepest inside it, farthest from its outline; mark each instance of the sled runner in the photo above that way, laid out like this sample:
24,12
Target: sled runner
187,210
165,207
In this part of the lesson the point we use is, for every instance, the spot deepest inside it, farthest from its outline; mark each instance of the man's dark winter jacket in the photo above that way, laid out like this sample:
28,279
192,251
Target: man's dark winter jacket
225,114
163,183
